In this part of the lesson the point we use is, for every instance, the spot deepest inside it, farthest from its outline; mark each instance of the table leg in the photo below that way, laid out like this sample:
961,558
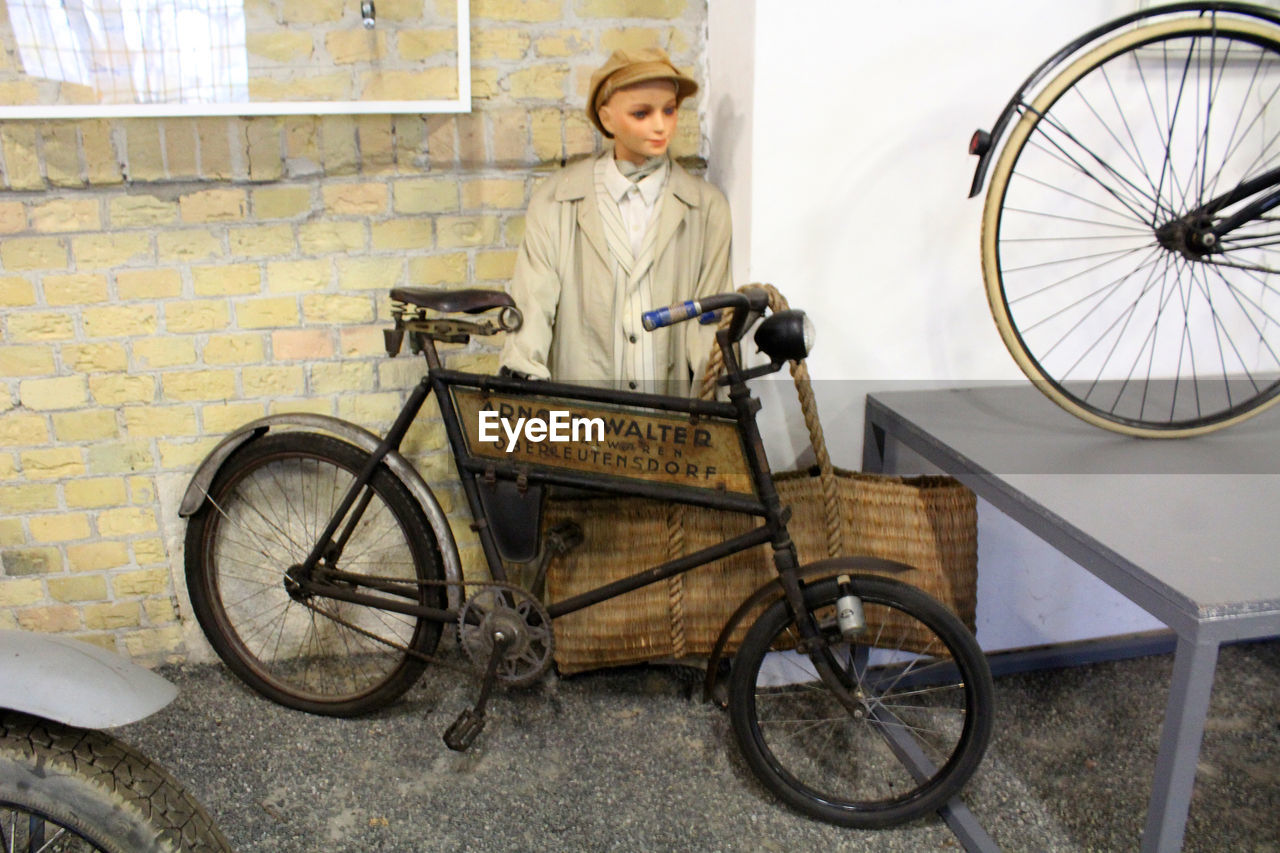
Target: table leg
1193,669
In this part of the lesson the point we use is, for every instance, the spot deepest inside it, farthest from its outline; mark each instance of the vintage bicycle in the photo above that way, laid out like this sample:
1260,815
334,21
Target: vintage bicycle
1129,242
324,573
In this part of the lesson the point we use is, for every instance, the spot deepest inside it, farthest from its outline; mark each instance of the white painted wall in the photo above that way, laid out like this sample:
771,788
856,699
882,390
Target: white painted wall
839,132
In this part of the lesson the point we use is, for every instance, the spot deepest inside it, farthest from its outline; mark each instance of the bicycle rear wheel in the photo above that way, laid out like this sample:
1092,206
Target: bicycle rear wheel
266,509
1092,244
908,734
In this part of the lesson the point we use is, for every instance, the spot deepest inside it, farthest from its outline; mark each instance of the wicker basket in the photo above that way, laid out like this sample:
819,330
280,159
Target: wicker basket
929,523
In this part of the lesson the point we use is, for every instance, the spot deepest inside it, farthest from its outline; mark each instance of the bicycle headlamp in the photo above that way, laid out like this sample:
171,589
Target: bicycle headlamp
785,335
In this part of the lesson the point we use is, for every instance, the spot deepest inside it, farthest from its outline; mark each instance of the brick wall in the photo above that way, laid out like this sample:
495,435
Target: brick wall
164,281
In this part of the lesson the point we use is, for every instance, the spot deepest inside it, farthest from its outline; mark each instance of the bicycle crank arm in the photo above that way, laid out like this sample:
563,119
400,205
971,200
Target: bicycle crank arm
470,722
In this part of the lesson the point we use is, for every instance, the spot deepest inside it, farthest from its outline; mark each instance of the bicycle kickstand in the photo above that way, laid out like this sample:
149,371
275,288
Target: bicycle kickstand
470,722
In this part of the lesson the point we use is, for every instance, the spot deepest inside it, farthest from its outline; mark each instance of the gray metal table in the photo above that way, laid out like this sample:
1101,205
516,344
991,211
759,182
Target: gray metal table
1188,530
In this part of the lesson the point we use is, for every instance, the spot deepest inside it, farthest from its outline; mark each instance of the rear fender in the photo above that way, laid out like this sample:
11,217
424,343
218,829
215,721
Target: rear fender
198,489
75,683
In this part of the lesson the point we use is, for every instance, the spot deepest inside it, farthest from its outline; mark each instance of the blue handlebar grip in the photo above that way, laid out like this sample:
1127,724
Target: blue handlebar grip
659,317
710,317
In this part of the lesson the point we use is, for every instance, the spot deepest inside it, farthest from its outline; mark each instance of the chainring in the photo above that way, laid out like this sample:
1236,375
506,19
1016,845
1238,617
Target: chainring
517,614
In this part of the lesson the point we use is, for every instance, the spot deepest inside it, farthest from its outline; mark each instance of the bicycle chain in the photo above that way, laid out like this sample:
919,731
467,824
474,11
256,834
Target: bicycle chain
414,653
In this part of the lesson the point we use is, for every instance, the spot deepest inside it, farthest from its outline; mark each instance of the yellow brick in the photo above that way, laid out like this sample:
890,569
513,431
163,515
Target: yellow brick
225,418
119,321
148,551
369,409
180,149
144,150
133,211
55,463
411,143
267,313
16,292
438,269
20,562
8,471
64,392
547,82
82,588
98,142
66,215
61,151
142,490
315,406
188,245
97,492
108,617
196,315
425,195
124,457
198,385
518,10
28,496
310,11
322,238
361,199
338,144
499,43
376,273
547,130
96,556
424,44
233,349
160,421
52,619
22,162
13,217
33,253
630,8
126,521
160,611
11,532
220,205
562,44
346,47
184,454
154,642
111,250
280,46
75,289
164,352
401,234
298,276
433,83
26,361
214,135
272,381
20,429
426,436
638,38
321,87
116,390
301,344
261,241
266,161
226,280
144,582
495,265
92,425
357,341
467,231
514,230
281,202
15,592
301,142
331,308
493,193
148,284
341,377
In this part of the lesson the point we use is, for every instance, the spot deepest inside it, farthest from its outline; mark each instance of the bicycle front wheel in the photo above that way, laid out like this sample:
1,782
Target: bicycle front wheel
1099,273
903,730
266,509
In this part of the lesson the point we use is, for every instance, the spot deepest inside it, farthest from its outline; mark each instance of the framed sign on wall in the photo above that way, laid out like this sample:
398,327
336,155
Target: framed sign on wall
163,58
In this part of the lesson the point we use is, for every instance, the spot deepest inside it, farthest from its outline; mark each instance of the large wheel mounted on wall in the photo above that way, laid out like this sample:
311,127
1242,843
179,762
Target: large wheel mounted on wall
1102,273
266,509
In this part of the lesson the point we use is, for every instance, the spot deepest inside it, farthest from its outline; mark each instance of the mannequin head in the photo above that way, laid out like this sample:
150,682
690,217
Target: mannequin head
642,119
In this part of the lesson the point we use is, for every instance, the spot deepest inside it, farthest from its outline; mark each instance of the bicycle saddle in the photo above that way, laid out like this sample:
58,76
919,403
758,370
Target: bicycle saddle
469,301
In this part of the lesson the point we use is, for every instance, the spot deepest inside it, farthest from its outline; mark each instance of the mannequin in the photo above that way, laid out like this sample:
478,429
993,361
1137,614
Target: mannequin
612,236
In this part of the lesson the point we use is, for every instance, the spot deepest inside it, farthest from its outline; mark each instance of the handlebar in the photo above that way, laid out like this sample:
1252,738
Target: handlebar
746,303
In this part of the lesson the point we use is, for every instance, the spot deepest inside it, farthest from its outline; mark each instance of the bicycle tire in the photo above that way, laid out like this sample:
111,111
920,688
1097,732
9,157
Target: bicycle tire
1101,339
265,508
916,668
70,789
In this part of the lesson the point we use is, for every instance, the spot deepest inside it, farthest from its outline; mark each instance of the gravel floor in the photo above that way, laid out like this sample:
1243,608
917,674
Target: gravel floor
626,760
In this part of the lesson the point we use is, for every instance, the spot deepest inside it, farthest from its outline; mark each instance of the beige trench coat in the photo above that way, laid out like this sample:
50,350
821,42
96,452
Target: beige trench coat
563,280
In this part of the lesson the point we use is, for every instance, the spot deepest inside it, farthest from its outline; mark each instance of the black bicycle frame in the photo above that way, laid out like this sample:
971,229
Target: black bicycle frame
741,409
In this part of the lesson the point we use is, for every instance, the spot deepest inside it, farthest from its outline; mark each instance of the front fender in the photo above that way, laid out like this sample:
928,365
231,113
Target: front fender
198,489
772,591
75,683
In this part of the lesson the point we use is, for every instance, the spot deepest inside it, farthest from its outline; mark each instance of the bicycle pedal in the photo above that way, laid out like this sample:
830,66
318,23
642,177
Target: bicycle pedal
464,730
